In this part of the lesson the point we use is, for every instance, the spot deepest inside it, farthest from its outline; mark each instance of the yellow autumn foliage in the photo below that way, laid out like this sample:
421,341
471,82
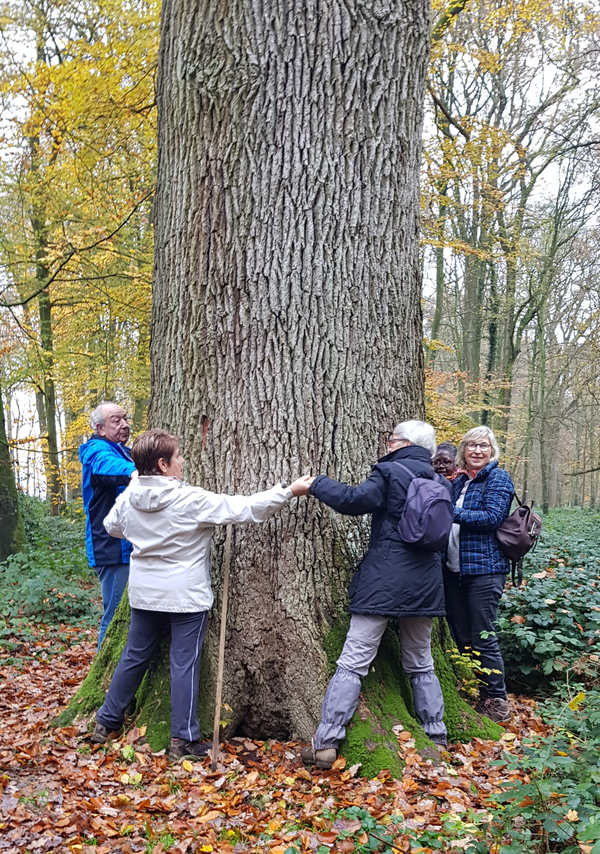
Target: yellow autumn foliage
77,179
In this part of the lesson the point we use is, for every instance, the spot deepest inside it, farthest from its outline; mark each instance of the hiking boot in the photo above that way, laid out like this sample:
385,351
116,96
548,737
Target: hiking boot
180,748
101,733
434,752
496,708
440,740
323,758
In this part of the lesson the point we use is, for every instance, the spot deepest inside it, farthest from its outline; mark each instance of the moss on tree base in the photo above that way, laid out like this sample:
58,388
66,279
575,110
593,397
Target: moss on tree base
386,701
386,697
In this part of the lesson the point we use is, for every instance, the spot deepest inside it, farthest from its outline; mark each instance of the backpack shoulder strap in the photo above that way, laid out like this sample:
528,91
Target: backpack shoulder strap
405,486
406,469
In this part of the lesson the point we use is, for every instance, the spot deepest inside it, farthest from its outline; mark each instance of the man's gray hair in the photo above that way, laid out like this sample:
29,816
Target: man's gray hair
97,418
476,434
417,433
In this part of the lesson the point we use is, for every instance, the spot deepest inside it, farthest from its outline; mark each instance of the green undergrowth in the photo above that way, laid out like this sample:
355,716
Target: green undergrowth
549,804
47,585
552,803
551,626
49,579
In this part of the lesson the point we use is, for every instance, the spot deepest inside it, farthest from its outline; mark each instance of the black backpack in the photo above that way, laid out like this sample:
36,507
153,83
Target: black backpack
518,535
427,513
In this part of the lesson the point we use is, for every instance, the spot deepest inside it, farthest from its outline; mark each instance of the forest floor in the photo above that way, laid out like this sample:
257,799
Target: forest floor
60,793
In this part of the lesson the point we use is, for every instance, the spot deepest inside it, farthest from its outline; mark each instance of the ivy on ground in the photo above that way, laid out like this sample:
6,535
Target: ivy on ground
550,627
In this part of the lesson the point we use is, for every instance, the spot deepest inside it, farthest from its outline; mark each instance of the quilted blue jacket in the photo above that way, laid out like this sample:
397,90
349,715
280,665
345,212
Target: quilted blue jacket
106,471
486,505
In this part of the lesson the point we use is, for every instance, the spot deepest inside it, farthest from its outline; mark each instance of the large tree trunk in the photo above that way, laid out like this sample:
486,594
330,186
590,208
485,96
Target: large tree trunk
286,331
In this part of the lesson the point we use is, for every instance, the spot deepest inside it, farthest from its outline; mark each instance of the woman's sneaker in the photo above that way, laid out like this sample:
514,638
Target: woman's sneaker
323,758
101,734
496,708
180,748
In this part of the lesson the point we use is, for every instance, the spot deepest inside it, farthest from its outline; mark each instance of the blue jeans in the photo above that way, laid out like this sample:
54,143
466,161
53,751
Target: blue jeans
113,581
145,630
472,607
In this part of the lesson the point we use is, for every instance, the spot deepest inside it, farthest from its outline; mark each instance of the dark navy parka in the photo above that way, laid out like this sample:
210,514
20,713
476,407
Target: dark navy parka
392,579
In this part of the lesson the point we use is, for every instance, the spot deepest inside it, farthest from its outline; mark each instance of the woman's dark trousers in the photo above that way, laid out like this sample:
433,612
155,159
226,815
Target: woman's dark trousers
472,607
145,631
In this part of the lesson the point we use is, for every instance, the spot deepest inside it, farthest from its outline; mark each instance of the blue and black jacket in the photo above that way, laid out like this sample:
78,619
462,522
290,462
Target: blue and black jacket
486,505
107,468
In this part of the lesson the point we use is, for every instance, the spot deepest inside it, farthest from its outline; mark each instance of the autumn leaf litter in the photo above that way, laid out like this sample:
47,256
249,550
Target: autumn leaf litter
60,793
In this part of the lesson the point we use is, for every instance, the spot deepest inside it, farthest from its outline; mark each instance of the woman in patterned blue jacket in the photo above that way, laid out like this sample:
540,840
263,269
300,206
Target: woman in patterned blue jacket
475,567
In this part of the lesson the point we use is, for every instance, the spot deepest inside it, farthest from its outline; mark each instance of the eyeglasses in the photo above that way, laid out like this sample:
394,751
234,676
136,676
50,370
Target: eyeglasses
393,439
474,446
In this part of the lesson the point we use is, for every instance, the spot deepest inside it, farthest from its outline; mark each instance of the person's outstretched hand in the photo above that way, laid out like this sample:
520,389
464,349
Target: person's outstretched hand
302,485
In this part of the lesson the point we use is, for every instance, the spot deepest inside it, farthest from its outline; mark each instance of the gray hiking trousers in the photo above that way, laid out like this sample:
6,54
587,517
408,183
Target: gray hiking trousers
360,648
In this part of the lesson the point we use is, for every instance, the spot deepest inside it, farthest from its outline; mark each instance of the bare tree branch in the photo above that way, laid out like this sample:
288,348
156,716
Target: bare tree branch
76,251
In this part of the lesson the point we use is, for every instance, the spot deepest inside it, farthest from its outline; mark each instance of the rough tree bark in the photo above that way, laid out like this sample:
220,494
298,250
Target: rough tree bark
286,330
286,326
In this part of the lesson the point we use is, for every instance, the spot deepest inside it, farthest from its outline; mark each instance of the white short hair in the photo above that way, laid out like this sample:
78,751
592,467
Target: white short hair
476,434
417,433
97,418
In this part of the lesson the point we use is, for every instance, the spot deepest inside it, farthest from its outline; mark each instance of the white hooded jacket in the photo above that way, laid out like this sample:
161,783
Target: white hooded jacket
170,525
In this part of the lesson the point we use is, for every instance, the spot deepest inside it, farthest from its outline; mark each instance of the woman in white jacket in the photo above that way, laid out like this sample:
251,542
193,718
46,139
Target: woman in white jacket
170,525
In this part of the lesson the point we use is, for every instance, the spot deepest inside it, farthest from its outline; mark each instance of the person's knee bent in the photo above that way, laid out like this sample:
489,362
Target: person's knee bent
362,643
415,640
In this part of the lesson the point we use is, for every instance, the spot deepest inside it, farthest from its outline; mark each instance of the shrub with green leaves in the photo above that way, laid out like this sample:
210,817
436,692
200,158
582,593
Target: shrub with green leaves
49,579
552,624
554,802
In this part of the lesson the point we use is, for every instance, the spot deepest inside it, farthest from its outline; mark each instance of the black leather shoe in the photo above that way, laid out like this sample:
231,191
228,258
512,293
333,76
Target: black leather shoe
101,733
180,748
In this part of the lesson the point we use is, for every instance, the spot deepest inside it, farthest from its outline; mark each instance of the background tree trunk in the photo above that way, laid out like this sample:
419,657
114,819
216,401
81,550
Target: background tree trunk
11,533
286,329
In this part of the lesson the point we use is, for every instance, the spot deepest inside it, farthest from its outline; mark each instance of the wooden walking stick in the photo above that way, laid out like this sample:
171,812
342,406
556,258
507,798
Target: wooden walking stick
221,660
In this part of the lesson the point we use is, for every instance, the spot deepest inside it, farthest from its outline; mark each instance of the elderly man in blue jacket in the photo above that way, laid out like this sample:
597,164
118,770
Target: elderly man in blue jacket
107,469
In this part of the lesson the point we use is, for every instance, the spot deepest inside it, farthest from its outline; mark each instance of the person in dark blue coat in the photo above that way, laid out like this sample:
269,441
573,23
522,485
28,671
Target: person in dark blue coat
475,567
107,468
392,580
